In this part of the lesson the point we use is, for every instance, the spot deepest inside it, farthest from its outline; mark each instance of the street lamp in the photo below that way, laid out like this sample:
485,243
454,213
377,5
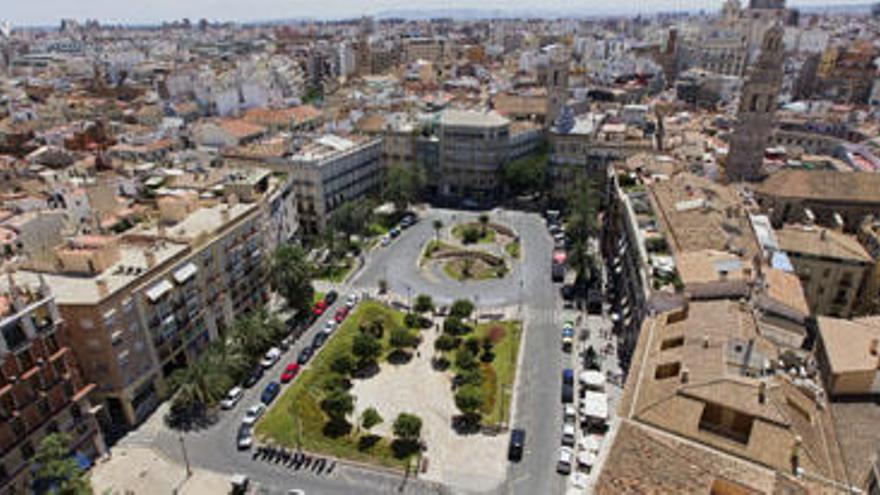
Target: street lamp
185,456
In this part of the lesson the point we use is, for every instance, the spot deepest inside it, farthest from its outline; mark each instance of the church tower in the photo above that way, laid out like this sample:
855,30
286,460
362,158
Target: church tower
557,84
757,109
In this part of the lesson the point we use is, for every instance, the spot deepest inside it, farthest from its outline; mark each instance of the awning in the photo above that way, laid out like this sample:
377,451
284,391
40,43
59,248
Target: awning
591,443
82,461
155,292
185,272
595,405
593,379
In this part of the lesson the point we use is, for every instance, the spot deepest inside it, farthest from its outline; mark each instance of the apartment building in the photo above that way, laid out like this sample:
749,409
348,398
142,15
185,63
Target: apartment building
143,304
473,152
832,266
848,353
428,49
328,171
42,389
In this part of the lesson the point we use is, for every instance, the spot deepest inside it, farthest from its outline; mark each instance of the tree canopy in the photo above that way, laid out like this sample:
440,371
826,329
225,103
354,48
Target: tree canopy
402,185
57,471
291,276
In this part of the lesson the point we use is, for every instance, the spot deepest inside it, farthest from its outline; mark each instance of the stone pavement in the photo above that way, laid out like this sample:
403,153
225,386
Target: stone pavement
141,470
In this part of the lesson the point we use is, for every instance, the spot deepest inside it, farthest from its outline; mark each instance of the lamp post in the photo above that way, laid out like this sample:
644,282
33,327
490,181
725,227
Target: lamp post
185,457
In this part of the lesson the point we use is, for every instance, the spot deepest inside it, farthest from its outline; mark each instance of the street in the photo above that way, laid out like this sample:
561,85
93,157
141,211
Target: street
536,408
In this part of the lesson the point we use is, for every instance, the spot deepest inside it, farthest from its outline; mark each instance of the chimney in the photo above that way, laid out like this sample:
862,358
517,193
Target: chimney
103,290
150,257
875,346
685,375
224,214
762,392
705,341
823,234
838,222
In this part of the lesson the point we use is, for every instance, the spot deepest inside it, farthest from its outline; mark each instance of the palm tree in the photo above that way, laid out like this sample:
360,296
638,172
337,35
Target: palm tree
199,384
438,225
250,335
484,221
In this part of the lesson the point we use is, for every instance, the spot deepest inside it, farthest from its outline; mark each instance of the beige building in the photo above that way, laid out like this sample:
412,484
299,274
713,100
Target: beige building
704,389
848,353
144,304
832,267
473,152
429,49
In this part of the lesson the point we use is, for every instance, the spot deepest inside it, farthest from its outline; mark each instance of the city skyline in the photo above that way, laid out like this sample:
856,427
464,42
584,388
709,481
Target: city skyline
49,12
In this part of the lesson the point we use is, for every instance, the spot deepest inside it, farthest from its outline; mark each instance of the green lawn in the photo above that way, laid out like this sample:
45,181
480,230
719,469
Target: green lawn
488,237
317,296
512,249
498,376
296,417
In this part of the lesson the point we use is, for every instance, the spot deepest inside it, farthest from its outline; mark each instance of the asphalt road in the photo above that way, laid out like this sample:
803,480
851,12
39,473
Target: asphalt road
537,408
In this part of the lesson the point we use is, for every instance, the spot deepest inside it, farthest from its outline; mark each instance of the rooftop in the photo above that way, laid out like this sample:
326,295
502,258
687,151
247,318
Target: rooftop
826,185
472,118
848,344
821,242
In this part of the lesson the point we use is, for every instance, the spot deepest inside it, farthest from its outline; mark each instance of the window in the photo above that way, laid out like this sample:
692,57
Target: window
667,370
672,343
726,422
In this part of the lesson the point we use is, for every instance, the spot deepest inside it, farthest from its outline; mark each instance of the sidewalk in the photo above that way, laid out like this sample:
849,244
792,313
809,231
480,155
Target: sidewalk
141,470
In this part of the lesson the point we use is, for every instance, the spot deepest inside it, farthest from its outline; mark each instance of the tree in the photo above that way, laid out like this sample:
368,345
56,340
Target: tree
366,348
401,338
461,309
583,205
57,471
484,223
445,342
468,400
407,427
438,226
291,276
200,384
465,359
351,217
250,336
424,303
338,404
342,364
402,185
470,235
370,418
527,174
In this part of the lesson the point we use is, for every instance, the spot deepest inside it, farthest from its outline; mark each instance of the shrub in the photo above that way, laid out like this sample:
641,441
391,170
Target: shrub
424,303
470,235
370,418
445,342
496,333
465,359
461,309
454,326
472,344
342,364
469,377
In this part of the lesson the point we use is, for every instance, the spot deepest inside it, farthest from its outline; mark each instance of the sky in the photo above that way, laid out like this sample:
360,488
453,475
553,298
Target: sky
50,12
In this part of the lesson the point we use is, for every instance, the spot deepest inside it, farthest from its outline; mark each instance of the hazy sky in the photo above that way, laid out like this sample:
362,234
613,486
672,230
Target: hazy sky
49,12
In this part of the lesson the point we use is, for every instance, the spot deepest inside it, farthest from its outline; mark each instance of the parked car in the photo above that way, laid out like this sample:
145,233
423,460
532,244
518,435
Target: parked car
253,413
330,298
568,435
351,302
272,356
270,392
232,398
245,437
567,393
330,326
289,372
517,444
254,376
394,232
318,340
319,308
386,240
304,355
568,376
341,313
569,414
285,343
566,455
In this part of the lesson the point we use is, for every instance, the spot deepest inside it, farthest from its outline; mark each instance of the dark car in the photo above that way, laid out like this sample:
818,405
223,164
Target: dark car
253,377
319,340
557,273
330,297
270,392
568,376
594,302
304,355
567,393
517,443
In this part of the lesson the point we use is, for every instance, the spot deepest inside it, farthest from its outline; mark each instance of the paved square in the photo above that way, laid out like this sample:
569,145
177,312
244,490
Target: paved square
473,462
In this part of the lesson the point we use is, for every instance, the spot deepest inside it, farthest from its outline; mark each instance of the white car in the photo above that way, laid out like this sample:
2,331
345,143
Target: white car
330,326
352,300
253,413
272,356
386,240
232,398
566,456
245,437
569,413
568,435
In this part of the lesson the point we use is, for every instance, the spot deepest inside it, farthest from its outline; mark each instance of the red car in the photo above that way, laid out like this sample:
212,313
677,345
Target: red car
289,372
319,308
341,313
